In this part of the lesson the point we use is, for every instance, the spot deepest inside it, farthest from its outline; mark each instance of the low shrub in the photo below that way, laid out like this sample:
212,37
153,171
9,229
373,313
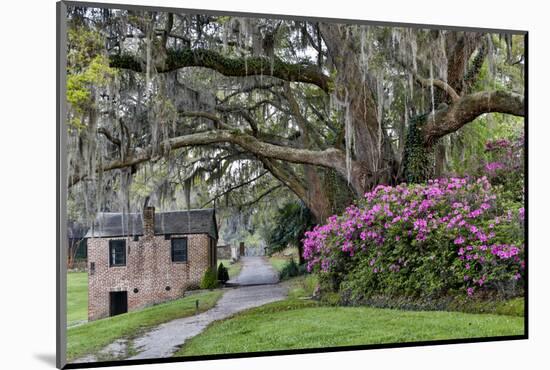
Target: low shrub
223,274
209,279
509,307
512,307
422,241
457,302
291,269
310,283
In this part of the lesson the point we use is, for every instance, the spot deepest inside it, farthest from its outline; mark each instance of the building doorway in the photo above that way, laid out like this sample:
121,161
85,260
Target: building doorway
118,303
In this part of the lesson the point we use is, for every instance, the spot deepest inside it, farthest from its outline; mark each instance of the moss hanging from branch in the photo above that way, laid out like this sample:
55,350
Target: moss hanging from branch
338,190
238,67
419,159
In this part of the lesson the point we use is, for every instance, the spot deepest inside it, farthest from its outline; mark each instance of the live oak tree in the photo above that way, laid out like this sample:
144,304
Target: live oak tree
326,110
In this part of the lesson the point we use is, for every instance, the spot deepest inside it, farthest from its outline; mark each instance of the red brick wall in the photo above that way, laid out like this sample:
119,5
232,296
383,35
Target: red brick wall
149,268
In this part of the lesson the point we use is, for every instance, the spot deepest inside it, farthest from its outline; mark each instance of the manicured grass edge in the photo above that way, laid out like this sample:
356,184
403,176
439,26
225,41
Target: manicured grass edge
92,337
310,307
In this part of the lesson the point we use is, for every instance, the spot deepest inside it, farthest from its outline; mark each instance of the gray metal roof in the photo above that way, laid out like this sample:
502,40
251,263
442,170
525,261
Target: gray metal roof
194,221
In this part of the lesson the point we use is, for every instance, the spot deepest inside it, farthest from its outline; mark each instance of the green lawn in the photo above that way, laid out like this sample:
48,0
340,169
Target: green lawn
279,262
232,269
301,323
288,326
91,337
77,297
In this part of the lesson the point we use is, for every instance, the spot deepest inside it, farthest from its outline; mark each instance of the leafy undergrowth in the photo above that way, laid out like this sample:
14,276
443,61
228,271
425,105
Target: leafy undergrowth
91,337
495,305
512,307
278,262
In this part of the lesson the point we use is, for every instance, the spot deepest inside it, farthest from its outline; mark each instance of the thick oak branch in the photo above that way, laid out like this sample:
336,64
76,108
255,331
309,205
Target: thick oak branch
330,158
468,108
426,82
238,67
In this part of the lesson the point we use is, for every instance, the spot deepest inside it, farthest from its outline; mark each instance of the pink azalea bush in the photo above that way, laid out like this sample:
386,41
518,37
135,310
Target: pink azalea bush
505,167
427,240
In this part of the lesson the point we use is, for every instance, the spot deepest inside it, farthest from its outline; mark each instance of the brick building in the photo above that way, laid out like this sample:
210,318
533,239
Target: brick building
136,260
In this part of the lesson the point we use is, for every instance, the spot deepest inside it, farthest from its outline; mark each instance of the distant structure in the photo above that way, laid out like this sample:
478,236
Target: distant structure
242,249
235,253
136,260
224,250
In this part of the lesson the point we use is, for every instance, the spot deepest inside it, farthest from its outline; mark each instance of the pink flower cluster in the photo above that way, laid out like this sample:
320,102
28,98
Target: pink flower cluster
492,167
458,213
498,144
506,163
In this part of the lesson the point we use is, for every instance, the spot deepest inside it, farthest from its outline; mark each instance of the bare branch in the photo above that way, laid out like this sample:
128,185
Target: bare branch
427,82
251,88
109,136
235,187
218,123
261,196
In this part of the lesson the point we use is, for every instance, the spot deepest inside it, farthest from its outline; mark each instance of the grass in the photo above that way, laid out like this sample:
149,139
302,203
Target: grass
297,323
91,337
77,297
301,286
511,307
232,269
515,307
279,262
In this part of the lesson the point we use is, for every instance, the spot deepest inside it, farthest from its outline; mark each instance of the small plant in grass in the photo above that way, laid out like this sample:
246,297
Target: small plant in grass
209,280
223,274
291,269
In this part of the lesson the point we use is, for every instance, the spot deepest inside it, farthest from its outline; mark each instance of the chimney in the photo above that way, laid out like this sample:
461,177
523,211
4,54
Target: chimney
149,221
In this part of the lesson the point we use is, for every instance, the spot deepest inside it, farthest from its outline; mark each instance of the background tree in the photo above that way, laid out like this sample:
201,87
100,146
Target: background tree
288,228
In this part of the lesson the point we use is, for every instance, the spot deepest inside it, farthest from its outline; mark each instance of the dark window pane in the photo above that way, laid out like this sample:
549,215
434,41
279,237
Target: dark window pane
117,252
179,249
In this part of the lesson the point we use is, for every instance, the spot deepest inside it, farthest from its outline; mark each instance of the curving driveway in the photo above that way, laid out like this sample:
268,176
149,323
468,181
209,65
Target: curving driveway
255,271
257,281
256,286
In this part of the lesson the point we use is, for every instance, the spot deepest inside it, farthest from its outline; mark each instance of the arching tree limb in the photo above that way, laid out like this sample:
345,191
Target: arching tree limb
234,187
109,136
468,108
330,158
237,67
286,177
426,82
260,197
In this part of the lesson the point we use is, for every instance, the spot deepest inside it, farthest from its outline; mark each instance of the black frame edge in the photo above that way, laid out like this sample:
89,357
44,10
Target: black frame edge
226,356
526,179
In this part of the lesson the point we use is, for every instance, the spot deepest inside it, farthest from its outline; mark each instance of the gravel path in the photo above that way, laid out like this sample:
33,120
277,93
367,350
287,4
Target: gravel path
257,286
256,271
